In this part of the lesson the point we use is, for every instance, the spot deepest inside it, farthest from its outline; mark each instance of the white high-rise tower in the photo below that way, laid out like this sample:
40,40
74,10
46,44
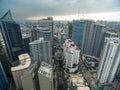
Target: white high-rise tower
109,60
40,50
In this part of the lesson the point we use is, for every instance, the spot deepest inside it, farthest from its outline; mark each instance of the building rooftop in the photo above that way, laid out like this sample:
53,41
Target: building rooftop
83,88
37,41
112,33
42,28
90,59
32,68
45,69
23,56
78,82
112,39
25,62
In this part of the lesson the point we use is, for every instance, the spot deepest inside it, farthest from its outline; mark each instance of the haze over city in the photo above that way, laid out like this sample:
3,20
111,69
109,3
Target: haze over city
62,9
59,44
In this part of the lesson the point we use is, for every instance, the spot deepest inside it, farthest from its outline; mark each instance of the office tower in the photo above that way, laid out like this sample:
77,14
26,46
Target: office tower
17,71
44,32
118,71
109,60
70,26
3,80
26,41
86,32
93,37
29,78
47,23
26,35
5,63
45,76
77,33
12,36
63,37
40,50
71,55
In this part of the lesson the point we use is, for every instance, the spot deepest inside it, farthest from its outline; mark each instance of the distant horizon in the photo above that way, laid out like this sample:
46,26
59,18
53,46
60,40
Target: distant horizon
106,16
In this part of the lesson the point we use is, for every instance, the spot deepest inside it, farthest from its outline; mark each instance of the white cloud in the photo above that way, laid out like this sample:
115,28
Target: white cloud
109,16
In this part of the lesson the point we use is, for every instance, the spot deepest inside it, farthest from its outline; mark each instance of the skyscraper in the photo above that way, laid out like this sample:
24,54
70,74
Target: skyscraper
44,32
3,80
40,50
93,37
47,23
17,71
77,33
71,55
5,63
12,36
109,60
29,78
45,75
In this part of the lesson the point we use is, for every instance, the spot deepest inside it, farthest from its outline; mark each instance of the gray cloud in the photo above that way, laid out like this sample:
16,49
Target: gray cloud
29,8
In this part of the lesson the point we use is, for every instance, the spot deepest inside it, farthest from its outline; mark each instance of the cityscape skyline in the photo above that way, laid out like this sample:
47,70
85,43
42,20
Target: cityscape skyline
60,45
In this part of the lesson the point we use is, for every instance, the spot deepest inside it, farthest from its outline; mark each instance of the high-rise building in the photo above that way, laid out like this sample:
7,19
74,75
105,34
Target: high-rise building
45,75
40,50
118,72
109,60
71,55
77,33
29,78
26,35
47,23
3,80
17,71
5,63
44,32
93,38
111,34
11,34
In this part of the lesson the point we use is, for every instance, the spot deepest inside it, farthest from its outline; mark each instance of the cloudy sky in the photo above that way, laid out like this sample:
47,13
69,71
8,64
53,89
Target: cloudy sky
34,9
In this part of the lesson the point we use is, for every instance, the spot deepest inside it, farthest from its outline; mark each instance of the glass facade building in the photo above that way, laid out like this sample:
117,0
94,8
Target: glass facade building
77,33
12,36
3,80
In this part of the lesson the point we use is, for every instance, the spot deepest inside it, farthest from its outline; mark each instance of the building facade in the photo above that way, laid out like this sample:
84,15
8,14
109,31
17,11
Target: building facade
109,61
17,71
29,78
77,33
11,34
3,80
40,50
45,76
47,23
71,55
93,38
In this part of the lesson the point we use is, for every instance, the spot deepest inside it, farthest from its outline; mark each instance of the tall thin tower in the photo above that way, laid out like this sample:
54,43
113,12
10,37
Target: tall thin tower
109,60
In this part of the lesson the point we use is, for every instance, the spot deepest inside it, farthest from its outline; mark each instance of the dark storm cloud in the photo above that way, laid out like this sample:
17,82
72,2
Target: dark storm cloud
29,8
